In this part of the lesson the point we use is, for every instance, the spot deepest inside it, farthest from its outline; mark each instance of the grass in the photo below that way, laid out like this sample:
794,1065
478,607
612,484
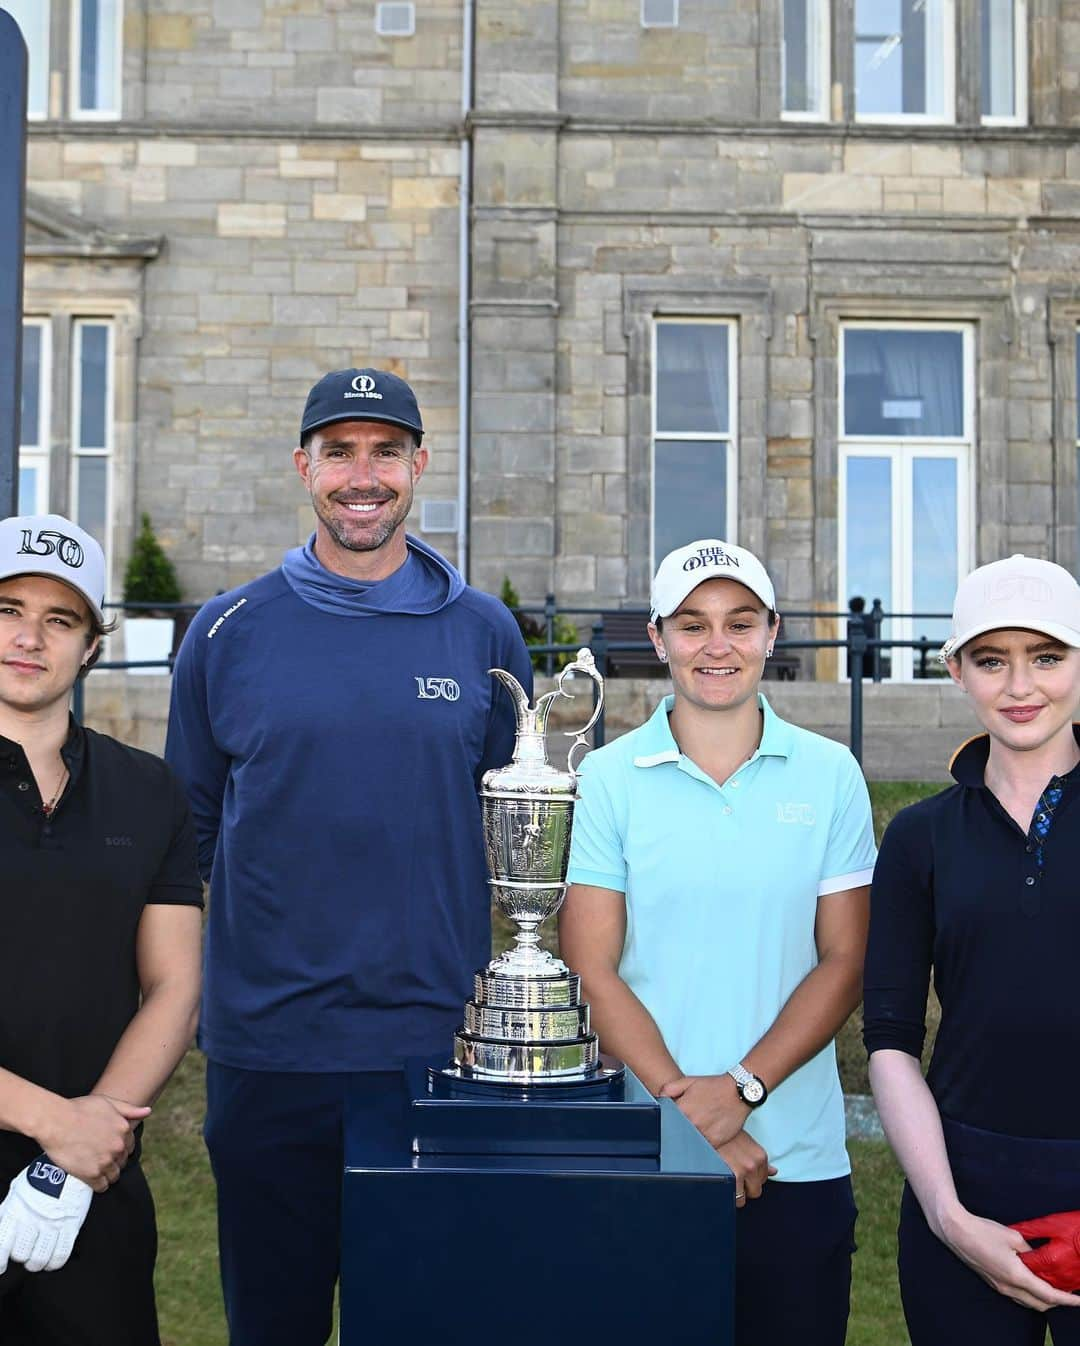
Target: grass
188,1287
876,1316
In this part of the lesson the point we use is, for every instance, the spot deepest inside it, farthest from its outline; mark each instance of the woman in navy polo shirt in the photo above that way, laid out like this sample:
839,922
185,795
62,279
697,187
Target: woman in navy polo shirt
982,883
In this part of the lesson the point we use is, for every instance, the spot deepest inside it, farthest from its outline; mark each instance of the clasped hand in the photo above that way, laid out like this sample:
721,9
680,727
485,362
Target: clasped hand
1058,1260
713,1105
92,1136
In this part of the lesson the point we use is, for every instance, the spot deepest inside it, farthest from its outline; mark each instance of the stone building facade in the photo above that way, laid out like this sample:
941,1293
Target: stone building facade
878,298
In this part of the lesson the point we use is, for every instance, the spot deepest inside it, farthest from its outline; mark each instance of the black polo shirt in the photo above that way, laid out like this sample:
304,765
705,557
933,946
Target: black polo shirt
72,890
995,912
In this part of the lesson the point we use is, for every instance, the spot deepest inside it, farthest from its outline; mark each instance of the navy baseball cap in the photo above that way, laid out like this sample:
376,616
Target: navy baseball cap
361,395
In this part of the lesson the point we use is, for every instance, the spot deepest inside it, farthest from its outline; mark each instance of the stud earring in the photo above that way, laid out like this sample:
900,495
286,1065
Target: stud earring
768,653
662,656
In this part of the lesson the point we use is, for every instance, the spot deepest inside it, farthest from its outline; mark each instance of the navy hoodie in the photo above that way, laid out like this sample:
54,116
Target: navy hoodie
332,737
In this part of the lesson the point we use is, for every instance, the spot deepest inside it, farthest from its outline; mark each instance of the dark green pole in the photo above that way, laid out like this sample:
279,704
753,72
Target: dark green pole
12,237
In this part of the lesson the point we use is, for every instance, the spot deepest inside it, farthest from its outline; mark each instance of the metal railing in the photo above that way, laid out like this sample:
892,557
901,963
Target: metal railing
863,644
78,694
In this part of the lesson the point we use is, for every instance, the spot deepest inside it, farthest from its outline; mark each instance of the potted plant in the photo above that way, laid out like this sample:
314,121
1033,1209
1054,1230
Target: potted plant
150,578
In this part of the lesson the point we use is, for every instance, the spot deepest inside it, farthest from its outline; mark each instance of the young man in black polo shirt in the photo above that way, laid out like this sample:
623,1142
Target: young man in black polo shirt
99,962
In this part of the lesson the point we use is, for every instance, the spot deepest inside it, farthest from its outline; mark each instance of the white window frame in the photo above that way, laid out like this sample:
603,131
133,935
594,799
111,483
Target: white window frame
824,38
114,112
947,117
1019,116
107,451
31,114
39,455
729,439
901,450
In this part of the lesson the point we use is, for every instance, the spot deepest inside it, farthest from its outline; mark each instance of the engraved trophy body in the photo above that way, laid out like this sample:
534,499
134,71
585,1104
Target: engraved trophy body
526,1022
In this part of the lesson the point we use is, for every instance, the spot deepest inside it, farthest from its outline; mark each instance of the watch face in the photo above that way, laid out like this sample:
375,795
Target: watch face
753,1091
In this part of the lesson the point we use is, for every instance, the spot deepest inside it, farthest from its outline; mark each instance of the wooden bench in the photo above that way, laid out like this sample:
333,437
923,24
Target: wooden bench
624,625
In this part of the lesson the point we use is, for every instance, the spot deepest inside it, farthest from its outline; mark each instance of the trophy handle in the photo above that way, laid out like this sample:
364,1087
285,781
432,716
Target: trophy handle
584,663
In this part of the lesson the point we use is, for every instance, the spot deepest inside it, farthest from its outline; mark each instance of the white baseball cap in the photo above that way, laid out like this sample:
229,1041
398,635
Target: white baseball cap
50,545
1019,593
683,569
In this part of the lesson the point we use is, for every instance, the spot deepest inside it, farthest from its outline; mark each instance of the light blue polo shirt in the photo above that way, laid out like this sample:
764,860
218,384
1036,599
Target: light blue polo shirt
722,884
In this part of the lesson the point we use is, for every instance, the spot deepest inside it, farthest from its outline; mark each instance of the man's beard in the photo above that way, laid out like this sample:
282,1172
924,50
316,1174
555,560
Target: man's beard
368,539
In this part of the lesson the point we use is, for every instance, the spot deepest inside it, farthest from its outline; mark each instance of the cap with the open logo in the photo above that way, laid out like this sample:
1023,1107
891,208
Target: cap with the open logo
361,395
682,570
50,545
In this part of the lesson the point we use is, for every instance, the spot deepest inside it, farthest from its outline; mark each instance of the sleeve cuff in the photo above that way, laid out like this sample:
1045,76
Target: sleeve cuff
858,878
174,895
616,882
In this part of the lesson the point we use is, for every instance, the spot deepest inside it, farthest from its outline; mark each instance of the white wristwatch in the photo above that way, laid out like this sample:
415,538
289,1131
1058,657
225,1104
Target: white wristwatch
751,1089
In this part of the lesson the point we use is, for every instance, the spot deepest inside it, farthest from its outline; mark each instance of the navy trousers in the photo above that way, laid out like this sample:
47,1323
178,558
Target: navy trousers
276,1148
1001,1178
793,1248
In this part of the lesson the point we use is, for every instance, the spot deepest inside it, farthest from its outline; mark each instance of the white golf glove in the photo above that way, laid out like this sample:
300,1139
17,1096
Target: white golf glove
41,1216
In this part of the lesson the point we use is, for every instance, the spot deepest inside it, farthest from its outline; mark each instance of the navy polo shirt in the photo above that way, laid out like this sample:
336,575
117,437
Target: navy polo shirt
995,912
73,886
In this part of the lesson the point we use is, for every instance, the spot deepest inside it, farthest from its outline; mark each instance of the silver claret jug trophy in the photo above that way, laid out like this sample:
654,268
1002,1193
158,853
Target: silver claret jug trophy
526,1023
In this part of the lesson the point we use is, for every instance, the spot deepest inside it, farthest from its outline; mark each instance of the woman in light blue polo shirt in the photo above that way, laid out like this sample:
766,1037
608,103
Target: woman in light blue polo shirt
720,869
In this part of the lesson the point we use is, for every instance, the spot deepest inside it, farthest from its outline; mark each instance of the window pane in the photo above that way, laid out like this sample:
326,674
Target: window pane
903,382
868,535
933,547
692,379
93,386
28,489
97,55
32,16
91,491
801,55
900,58
30,432
998,58
690,493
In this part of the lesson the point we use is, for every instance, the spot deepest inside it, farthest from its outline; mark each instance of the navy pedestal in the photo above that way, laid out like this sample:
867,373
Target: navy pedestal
535,1219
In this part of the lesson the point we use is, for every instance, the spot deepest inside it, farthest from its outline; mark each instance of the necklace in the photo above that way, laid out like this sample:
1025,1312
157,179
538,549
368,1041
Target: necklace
47,809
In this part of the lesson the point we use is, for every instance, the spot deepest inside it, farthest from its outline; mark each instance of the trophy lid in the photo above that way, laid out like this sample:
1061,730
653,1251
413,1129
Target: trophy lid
529,772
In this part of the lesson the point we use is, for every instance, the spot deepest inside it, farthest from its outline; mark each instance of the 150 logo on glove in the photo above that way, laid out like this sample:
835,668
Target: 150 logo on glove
46,1177
41,1216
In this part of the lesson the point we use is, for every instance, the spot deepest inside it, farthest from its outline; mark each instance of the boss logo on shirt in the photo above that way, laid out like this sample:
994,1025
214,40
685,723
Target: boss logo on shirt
796,813
46,1177
432,689
119,841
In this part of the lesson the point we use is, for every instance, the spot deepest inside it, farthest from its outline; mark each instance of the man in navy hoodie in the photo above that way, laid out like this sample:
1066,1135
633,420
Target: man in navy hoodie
332,721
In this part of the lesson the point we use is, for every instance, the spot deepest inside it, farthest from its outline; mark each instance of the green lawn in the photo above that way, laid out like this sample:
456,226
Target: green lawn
189,1295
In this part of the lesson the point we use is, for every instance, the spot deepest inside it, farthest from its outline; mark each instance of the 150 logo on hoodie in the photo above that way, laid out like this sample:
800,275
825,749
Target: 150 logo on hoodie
431,689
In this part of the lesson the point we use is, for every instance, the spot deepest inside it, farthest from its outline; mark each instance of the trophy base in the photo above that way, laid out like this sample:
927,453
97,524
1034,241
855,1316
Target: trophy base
516,1062
524,1028
450,1082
